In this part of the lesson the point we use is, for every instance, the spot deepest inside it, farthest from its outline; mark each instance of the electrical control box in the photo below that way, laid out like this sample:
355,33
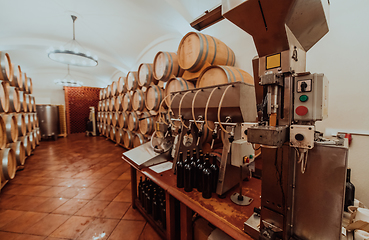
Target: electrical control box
311,97
242,153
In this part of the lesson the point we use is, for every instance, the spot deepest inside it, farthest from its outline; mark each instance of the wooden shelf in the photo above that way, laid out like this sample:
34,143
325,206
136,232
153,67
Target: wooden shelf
221,212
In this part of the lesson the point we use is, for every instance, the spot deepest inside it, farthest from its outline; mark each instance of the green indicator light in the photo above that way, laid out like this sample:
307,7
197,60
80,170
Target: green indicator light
251,156
304,98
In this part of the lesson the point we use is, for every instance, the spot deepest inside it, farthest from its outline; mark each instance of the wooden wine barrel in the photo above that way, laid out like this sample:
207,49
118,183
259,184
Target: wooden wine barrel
25,84
19,152
138,139
26,144
32,120
103,130
215,75
196,50
101,94
147,123
4,97
118,103
176,84
17,78
112,133
138,100
112,104
6,73
27,121
38,134
109,119
133,121
31,140
113,88
107,104
8,164
14,102
21,124
127,102
11,128
108,91
33,101
103,106
146,76
23,101
128,139
107,132
132,81
115,118
36,120
3,136
166,66
29,103
154,96
30,86
123,120
119,135
121,88
35,137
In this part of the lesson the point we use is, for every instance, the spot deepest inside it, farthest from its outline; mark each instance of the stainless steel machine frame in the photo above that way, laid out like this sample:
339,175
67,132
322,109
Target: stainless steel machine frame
302,180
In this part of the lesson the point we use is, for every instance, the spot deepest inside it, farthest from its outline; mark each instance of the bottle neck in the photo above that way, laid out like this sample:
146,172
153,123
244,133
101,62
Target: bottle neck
348,175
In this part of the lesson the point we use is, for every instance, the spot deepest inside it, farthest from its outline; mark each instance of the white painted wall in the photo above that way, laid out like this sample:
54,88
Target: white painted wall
342,55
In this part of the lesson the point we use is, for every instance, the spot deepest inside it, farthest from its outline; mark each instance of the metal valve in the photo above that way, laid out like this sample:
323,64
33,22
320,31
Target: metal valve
200,134
214,135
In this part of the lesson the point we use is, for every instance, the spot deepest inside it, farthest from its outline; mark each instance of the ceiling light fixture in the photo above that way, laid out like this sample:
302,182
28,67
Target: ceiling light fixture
67,80
71,53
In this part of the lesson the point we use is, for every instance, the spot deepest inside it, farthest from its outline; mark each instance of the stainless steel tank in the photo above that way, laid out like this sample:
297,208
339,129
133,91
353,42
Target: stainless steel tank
48,116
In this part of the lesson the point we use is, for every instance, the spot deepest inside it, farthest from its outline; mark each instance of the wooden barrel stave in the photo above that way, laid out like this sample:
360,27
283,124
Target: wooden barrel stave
6,73
145,75
215,75
176,84
196,50
133,121
154,96
8,164
166,66
138,100
19,152
132,81
138,139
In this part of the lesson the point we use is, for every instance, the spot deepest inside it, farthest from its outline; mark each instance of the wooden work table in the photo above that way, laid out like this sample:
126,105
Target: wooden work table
221,212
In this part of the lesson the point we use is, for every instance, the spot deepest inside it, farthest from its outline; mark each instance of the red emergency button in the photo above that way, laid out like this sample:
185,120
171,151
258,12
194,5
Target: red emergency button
301,110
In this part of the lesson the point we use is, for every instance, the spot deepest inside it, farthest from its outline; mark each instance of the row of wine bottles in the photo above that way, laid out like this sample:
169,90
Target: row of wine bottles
152,198
196,172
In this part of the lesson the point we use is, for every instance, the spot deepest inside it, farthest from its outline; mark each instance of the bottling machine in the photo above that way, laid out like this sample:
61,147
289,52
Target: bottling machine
303,174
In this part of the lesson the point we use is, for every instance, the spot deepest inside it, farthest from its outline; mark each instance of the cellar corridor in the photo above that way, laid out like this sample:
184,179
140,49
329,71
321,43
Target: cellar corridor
73,188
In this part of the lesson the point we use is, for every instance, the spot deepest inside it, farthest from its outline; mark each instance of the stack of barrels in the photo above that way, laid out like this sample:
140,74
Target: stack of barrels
129,107
19,126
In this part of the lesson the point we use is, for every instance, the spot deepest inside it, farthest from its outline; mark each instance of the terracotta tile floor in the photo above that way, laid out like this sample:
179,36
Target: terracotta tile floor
74,188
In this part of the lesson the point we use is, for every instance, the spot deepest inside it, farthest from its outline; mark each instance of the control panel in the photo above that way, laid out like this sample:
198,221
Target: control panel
311,97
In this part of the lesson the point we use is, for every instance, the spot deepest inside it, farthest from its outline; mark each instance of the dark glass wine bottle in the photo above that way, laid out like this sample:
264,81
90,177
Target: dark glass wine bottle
187,173
163,215
188,157
207,178
215,170
180,171
350,191
193,169
155,207
199,168
140,189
